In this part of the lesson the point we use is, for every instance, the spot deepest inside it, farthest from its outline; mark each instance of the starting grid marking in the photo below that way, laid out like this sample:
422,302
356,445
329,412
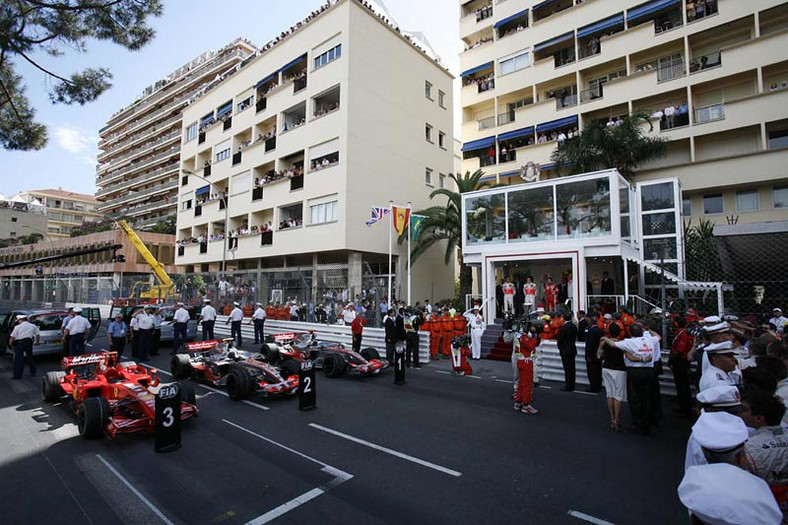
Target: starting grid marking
136,492
585,517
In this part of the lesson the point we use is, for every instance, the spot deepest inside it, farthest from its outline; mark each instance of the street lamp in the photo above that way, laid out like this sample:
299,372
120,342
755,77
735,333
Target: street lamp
226,217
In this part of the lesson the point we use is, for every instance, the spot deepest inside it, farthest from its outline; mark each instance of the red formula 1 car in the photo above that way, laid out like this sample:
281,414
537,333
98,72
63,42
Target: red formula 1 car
242,373
287,350
110,397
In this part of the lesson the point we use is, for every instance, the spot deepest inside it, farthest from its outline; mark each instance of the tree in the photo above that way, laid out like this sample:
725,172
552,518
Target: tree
31,26
164,226
444,223
624,146
701,252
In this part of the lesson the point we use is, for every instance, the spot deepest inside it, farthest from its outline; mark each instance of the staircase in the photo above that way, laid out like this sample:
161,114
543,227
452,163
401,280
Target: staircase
493,346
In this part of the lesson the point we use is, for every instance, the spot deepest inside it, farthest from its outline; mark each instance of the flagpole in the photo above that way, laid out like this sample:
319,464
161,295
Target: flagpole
391,226
410,218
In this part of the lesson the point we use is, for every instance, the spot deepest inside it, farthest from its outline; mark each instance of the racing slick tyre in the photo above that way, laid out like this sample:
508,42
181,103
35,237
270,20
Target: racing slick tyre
333,365
289,368
239,383
187,393
369,354
180,366
50,386
92,415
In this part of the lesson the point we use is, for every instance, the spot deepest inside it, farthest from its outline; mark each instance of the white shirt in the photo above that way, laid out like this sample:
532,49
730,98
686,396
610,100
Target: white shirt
66,319
638,346
208,313
779,322
236,315
476,322
134,325
157,320
713,376
259,313
144,321
348,315
25,330
294,310
78,325
181,315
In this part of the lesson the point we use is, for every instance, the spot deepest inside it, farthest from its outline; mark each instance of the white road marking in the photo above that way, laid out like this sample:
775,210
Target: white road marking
212,389
442,372
545,386
585,517
136,492
475,377
585,393
395,453
503,381
286,507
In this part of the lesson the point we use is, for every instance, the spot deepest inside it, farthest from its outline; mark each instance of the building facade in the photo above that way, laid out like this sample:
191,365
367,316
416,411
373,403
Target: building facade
21,219
710,74
65,210
138,162
302,143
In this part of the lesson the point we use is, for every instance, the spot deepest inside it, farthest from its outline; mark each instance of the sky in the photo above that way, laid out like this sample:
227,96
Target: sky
186,29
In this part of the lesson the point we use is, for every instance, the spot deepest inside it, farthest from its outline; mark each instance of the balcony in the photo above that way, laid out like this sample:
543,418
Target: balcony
206,171
198,210
486,123
130,140
132,195
261,105
475,19
270,144
257,193
201,137
141,164
707,61
299,84
296,182
227,123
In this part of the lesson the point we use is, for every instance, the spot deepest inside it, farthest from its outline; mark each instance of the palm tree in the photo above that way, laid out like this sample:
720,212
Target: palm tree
624,146
444,223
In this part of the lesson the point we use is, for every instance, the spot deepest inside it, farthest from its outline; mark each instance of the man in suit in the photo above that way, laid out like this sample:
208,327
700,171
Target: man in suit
390,325
567,347
592,338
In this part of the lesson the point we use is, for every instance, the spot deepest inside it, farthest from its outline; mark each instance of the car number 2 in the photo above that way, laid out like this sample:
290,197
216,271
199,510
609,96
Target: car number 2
168,419
307,384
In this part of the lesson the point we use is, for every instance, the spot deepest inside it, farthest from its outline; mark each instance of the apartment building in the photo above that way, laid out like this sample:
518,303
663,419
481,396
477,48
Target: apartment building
711,74
20,219
65,210
138,162
282,162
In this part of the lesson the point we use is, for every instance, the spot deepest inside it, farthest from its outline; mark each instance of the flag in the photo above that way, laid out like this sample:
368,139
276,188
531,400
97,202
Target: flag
401,218
415,226
377,214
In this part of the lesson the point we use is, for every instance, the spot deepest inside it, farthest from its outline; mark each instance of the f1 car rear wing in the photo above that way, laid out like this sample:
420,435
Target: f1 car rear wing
106,358
199,346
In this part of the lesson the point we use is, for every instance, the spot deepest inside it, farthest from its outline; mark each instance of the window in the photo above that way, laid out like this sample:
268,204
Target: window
778,139
329,56
686,206
442,99
326,212
13,234
428,177
223,154
747,200
13,219
441,180
713,204
428,90
442,139
428,132
191,132
516,63
780,197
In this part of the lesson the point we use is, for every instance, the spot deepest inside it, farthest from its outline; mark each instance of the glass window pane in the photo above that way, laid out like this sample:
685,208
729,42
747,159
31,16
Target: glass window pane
583,208
713,204
623,199
781,196
686,206
747,200
657,196
486,219
531,215
651,248
659,223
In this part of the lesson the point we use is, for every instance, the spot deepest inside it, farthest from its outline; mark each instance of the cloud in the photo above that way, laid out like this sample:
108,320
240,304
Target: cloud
74,140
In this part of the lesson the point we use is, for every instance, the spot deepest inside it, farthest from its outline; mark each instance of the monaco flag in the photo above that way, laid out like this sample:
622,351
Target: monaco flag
401,218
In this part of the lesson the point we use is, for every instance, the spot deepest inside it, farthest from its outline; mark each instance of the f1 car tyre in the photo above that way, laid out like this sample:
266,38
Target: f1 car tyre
333,365
187,393
239,383
92,415
289,368
50,386
369,354
271,352
180,366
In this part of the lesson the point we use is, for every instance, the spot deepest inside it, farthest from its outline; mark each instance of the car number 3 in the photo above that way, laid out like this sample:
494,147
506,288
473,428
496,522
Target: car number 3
168,419
307,385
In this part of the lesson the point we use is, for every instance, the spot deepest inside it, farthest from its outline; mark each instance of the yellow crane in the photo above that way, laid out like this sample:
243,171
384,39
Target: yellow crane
165,286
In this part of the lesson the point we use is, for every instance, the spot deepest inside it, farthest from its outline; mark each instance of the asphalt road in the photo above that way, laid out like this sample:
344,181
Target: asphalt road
439,449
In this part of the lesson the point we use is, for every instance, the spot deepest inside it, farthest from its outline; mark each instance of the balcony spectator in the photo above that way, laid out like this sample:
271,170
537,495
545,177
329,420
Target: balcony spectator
670,113
593,44
682,114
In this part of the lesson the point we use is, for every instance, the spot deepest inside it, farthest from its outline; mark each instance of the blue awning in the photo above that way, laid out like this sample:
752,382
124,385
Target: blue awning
555,124
601,25
509,173
487,177
224,109
292,62
478,144
206,118
476,69
516,133
203,190
554,41
508,19
649,8
543,4
266,79
547,167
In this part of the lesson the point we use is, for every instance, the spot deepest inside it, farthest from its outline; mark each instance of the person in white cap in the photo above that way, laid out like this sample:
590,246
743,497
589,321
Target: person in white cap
258,318
722,494
348,314
208,319
235,317
722,361
76,329
778,320
714,330
180,323
476,326
24,335
717,437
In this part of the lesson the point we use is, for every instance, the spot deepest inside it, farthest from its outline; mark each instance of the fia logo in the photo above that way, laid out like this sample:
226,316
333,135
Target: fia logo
307,365
168,391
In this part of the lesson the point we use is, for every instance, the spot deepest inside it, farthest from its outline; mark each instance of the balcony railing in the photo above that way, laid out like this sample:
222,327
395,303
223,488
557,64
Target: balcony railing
486,123
136,180
487,85
228,123
138,165
136,210
710,113
487,160
198,210
296,182
267,238
567,101
131,139
257,193
137,194
261,104
707,61
141,149
299,84
270,144
505,118
206,171
237,157
201,137
203,247
181,250
676,120
593,93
